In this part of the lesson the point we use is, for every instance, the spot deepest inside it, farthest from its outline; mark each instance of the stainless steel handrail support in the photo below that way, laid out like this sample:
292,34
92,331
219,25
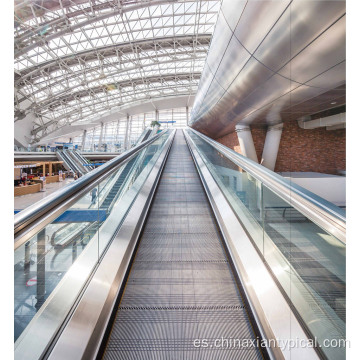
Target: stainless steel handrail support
323,213
90,319
270,309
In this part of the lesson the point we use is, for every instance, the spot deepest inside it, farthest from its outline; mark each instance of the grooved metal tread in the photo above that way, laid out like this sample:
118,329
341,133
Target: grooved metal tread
180,287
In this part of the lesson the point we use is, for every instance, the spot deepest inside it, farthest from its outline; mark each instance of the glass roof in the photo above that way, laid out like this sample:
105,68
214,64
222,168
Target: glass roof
77,59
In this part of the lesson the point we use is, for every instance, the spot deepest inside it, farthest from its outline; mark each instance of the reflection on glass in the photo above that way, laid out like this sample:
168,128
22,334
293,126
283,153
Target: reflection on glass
308,262
86,228
42,262
316,264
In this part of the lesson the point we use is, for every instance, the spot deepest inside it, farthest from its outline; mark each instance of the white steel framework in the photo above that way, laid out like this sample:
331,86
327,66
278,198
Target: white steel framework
116,135
76,60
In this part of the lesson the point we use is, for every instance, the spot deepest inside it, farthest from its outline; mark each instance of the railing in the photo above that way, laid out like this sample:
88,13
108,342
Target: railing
327,215
25,220
299,236
51,271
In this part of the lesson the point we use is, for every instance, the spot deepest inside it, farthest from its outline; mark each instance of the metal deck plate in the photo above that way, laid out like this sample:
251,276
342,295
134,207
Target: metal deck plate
181,287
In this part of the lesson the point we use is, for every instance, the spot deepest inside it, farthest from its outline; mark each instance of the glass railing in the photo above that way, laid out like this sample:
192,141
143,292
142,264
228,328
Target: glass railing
52,267
306,259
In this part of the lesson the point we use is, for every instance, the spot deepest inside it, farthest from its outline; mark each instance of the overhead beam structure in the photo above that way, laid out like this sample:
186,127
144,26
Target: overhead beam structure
76,60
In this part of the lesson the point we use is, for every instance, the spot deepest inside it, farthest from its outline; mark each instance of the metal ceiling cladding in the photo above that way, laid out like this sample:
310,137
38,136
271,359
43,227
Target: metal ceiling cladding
180,286
281,60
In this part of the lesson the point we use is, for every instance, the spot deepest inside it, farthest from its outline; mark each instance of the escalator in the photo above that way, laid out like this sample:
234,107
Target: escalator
181,282
82,160
79,163
69,163
117,185
146,135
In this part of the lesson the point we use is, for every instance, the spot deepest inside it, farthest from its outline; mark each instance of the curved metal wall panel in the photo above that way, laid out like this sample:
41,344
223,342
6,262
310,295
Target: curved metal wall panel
271,61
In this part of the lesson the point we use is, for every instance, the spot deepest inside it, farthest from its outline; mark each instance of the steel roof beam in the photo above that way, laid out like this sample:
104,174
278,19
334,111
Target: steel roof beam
45,39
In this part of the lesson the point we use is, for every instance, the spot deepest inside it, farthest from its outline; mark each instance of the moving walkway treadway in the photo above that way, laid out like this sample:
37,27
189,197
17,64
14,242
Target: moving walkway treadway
188,251
180,287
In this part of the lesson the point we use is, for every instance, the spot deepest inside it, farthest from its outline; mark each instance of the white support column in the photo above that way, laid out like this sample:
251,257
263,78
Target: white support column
187,116
92,141
156,115
117,137
271,146
126,144
130,131
246,141
83,140
101,136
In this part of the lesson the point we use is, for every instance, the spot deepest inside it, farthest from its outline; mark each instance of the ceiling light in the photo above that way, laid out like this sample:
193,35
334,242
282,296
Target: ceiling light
333,103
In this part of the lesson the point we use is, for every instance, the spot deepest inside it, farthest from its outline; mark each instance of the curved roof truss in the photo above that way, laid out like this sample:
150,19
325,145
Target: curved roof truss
75,59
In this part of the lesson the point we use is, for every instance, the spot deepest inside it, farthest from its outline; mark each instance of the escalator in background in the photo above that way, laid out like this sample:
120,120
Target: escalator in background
79,163
67,166
146,135
69,163
111,196
83,160
140,163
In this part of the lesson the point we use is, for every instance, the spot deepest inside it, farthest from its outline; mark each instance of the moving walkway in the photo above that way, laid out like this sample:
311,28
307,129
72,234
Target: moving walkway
192,253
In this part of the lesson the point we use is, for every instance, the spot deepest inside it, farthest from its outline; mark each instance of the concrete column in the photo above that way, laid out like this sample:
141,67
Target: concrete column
187,116
271,146
246,141
126,145
156,115
83,140
101,136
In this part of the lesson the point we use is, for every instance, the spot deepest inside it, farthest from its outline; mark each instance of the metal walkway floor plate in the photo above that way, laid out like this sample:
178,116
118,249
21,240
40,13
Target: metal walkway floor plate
180,287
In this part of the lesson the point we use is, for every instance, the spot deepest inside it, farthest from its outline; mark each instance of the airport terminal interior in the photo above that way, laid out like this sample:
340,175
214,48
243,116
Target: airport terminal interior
179,179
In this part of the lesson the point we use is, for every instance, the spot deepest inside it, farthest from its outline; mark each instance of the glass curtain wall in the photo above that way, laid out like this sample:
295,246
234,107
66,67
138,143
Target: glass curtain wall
114,132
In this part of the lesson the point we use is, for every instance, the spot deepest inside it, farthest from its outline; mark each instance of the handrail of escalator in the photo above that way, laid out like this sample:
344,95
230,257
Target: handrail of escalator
61,157
68,160
75,162
327,215
141,137
39,209
83,160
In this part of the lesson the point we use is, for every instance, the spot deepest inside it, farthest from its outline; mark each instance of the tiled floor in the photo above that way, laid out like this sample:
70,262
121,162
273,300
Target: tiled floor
22,202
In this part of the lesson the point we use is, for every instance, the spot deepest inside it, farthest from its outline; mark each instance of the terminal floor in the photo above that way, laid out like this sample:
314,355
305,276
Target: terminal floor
22,202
